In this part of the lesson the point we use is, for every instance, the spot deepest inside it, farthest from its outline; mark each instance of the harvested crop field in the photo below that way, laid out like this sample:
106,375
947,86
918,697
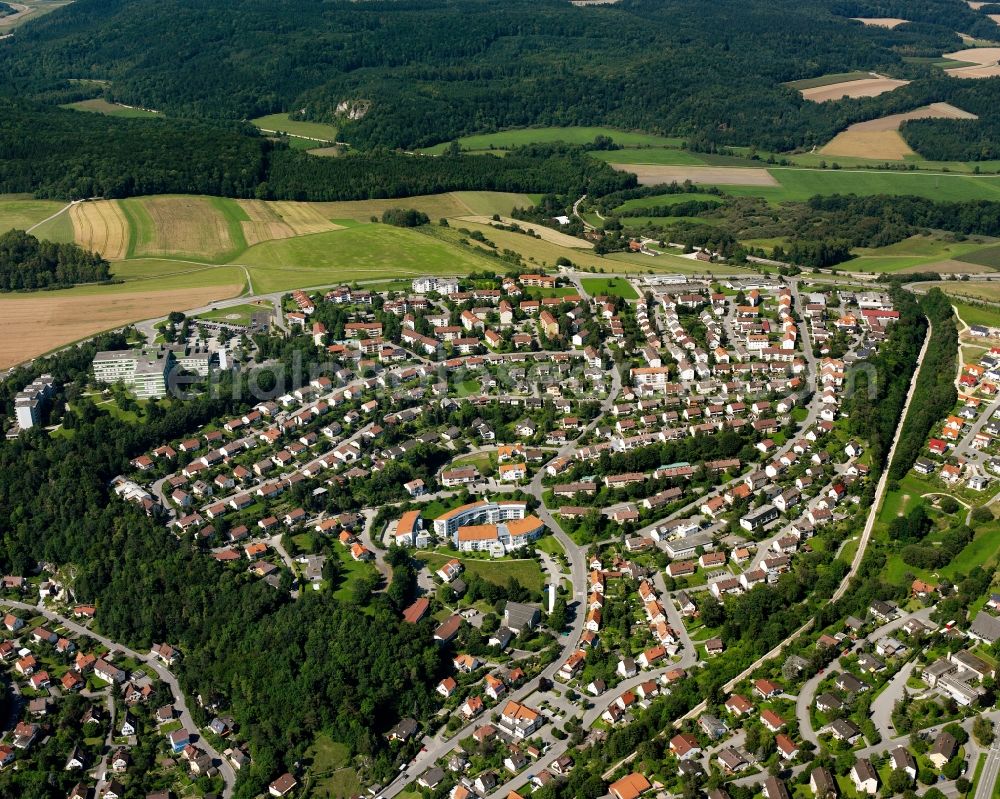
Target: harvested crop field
932,111
101,226
880,138
865,87
434,205
985,59
881,22
545,233
194,227
654,174
281,220
886,145
33,324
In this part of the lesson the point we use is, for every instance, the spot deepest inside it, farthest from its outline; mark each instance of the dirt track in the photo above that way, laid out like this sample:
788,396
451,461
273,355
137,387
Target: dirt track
652,174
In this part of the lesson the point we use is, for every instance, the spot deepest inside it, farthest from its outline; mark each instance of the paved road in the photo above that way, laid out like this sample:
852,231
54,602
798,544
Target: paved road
186,719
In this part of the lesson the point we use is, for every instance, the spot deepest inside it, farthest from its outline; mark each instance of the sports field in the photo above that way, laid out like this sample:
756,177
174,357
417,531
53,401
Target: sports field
506,139
280,123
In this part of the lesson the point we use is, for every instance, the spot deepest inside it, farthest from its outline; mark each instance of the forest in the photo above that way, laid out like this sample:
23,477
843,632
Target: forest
68,155
414,73
27,263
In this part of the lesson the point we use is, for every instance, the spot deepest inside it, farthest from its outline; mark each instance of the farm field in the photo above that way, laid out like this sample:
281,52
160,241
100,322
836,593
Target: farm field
101,226
654,174
32,324
879,139
281,220
198,228
609,286
318,131
801,184
546,233
506,139
21,212
828,80
358,253
861,87
33,9
914,254
881,22
989,256
651,155
545,253
985,59
988,292
101,106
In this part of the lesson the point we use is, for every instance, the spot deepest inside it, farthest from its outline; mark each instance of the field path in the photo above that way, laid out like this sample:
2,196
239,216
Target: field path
62,210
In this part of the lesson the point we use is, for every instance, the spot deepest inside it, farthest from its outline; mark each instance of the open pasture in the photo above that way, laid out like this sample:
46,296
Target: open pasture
280,123
101,226
506,139
21,211
101,106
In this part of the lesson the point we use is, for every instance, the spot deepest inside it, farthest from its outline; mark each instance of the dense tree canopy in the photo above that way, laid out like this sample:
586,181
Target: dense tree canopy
27,263
415,72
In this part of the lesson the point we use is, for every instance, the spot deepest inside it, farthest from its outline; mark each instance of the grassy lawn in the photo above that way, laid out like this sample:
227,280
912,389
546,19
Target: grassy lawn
481,460
575,135
100,106
307,130
550,544
610,286
326,755
353,570
527,572
21,211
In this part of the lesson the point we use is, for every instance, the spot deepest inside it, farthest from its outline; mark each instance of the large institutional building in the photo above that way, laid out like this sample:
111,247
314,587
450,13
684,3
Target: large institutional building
146,370
489,526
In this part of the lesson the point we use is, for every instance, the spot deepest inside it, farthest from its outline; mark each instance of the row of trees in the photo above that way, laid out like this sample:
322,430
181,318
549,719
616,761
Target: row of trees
935,391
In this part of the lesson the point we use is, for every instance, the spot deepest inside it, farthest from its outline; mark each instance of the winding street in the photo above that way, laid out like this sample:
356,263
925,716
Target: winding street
180,702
